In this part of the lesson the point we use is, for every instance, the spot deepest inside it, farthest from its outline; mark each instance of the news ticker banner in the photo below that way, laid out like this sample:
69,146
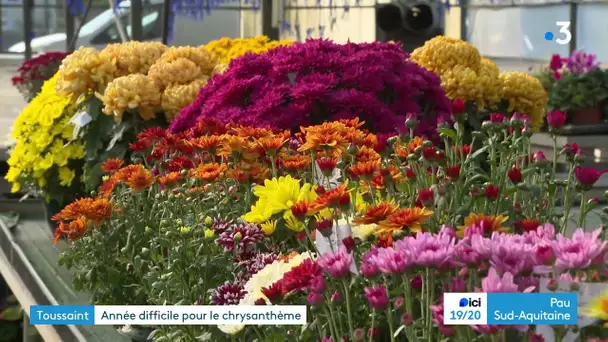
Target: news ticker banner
459,309
167,315
548,308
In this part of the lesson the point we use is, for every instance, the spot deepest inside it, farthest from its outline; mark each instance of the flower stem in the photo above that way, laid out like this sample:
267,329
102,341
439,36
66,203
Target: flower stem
554,155
389,318
371,332
567,204
582,214
348,311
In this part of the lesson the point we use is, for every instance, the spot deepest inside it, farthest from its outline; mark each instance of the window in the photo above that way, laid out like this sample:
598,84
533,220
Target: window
516,32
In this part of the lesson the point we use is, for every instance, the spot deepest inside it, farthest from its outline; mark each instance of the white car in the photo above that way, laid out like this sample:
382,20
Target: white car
101,30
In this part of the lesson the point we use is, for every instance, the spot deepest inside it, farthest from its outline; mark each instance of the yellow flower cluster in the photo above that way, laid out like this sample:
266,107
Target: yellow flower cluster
467,76
228,49
464,73
149,77
176,97
43,149
179,75
83,71
525,94
135,91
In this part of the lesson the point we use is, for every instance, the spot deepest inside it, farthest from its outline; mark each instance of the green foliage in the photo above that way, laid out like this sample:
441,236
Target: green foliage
579,91
105,138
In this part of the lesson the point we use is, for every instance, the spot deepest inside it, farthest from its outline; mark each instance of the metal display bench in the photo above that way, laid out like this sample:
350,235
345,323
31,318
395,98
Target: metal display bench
29,264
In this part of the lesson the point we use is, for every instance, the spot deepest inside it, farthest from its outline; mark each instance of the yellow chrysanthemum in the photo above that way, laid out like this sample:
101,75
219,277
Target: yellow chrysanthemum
277,196
133,57
443,53
83,71
228,49
135,91
176,97
525,94
43,136
598,307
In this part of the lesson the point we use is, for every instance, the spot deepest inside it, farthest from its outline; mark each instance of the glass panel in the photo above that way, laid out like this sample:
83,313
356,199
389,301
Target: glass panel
592,30
517,32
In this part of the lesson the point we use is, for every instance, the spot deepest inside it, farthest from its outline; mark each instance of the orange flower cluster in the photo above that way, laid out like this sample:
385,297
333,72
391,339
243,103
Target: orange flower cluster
75,218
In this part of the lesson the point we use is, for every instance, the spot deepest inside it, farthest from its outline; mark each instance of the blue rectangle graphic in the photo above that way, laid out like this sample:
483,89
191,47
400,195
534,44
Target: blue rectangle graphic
556,308
62,314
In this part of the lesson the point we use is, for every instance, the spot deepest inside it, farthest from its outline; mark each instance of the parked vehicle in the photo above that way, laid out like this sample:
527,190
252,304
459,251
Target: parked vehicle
102,29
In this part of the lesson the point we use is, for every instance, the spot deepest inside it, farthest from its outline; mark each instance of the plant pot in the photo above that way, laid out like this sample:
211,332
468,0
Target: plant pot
587,116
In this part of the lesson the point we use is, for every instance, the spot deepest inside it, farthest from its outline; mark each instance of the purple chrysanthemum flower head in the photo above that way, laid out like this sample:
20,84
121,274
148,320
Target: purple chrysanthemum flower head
430,250
308,83
228,294
578,252
391,260
245,236
337,264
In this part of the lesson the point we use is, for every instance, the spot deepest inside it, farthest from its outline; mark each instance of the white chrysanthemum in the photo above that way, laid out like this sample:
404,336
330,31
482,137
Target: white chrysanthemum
264,278
363,231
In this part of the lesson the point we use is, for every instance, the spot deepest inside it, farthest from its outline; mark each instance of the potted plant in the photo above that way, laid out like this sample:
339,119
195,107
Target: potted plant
581,95
35,71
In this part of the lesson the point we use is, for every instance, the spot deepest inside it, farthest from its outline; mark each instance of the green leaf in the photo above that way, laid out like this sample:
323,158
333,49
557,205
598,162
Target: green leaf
478,152
12,314
447,132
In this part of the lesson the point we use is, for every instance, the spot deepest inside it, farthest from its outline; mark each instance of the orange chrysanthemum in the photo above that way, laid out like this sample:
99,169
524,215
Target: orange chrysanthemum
352,123
287,257
107,187
376,213
112,165
238,148
140,178
74,210
329,137
368,140
171,178
209,172
124,173
296,162
270,145
488,223
403,150
252,132
73,230
209,143
338,197
406,219
364,169
366,154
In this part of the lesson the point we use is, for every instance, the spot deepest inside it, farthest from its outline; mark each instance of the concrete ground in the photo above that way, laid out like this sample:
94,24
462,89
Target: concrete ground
11,102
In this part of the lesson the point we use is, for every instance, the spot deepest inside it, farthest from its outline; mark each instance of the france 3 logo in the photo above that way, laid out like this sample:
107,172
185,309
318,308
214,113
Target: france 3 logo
564,31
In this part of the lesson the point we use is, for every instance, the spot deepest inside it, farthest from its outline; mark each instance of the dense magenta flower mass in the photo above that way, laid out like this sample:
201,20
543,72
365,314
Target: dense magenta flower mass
309,83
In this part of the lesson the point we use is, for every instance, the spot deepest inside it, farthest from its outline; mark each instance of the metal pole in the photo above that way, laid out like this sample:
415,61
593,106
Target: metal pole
464,12
27,27
70,26
267,27
137,31
573,19
166,21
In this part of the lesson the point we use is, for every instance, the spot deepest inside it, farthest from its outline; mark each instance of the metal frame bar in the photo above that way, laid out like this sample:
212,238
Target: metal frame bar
11,256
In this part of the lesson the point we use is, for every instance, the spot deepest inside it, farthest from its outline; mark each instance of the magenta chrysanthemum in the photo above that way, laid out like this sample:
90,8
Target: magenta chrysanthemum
228,294
309,83
244,236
